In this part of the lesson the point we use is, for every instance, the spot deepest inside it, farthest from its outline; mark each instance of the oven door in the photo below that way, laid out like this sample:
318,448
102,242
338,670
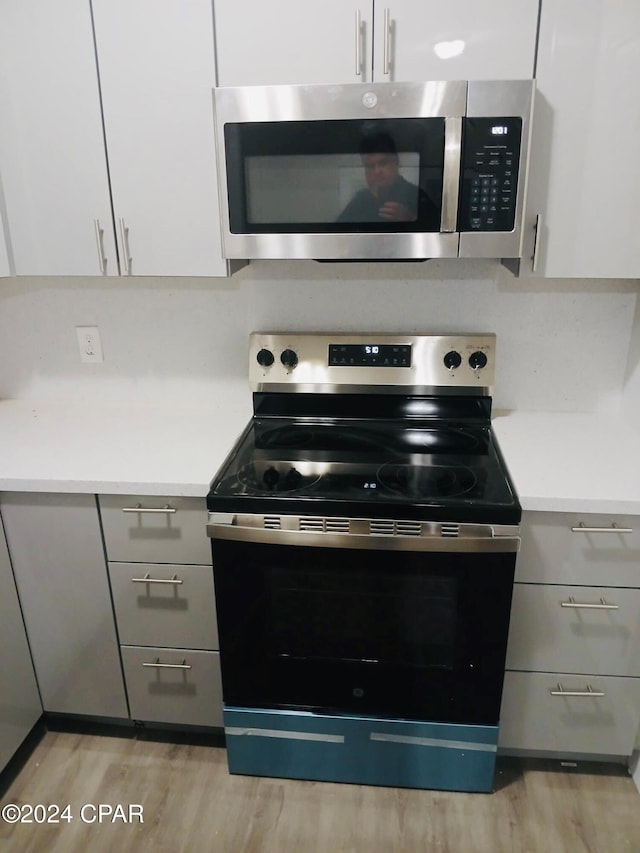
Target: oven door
364,625
330,172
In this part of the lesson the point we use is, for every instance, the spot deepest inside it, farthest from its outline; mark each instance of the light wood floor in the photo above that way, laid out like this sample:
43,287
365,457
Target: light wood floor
191,804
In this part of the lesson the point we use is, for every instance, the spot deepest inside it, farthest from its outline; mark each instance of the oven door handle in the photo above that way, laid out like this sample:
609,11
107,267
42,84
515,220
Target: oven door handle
483,539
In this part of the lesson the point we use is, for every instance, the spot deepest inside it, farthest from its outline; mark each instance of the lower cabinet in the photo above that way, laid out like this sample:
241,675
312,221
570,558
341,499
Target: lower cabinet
162,583
572,685
180,686
570,714
132,636
57,553
20,706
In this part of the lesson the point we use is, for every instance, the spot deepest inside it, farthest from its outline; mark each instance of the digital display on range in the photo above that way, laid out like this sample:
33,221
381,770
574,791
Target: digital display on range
370,355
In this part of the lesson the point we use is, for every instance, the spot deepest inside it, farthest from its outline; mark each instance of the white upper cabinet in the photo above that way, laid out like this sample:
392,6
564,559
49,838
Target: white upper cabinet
155,73
157,70
341,41
584,180
288,41
454,40
52,160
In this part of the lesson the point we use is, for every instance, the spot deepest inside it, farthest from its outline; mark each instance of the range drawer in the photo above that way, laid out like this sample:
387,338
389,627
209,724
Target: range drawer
579,549
142,529
173,685
601,722
164,605
575,629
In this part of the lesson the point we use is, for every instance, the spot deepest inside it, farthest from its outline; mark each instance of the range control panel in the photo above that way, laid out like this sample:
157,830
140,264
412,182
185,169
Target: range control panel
326,361
490,165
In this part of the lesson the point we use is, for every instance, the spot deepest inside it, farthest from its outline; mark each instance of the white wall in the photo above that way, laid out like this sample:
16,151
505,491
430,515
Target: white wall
162,338
562,344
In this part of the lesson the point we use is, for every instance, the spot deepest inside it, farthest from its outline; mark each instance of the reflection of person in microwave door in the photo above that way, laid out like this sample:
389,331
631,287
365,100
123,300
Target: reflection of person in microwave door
388,196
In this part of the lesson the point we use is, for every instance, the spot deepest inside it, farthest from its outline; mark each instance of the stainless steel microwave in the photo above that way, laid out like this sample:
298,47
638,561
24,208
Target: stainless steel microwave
389,171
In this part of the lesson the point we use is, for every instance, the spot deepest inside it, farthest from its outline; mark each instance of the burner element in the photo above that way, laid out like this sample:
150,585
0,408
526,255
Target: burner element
427,481
259,480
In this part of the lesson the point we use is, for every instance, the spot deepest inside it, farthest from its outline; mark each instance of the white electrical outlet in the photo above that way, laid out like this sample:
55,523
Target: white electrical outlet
89,344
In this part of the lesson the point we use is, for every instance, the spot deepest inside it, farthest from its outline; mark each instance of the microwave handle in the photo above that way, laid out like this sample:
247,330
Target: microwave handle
451,173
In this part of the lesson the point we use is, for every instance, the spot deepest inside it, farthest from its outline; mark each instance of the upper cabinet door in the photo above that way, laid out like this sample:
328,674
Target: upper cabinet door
454,40
289,41
584,182
52,160
157,70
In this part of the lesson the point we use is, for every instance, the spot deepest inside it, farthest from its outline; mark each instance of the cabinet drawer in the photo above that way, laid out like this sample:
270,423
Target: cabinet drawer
593,553
534,719
142,529
164,605
173,685
575,629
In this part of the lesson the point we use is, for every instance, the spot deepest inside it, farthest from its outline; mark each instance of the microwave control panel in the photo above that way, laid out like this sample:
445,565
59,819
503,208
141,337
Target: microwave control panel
490,159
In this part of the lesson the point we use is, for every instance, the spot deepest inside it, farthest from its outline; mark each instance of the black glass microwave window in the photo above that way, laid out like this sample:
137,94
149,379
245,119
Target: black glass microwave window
490,158
335,176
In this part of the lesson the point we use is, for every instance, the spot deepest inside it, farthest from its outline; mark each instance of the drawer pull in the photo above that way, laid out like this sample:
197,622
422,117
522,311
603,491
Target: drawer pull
139,508
589,692
157,665
582,528
579,605
146,579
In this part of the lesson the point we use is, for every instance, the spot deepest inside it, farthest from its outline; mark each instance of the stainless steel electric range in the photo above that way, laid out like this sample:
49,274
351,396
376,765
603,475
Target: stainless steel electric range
364,532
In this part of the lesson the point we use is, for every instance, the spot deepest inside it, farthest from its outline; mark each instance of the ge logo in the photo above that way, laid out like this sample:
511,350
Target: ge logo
369,99
358,692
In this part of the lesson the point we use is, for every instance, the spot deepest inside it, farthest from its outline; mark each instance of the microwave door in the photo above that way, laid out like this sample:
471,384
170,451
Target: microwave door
336,180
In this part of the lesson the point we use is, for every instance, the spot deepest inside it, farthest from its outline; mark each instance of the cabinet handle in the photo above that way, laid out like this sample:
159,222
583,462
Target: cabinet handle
139,508
577,605
387,42
159,665
581,528
536,243
100,242
146,579
126,254
358,43
589,692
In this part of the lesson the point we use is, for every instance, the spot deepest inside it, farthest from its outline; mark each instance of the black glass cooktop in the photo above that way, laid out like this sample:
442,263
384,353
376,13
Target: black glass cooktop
422,468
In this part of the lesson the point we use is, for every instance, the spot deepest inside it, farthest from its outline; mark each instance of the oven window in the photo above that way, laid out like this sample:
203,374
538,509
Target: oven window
335,176
366,616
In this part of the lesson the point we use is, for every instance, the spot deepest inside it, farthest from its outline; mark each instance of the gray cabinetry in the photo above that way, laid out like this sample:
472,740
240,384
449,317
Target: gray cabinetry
143,529
59,566
162,583
573,661
20,706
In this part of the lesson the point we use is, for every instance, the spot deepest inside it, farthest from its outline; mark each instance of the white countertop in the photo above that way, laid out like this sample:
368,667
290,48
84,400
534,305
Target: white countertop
565,462
118,448
558,462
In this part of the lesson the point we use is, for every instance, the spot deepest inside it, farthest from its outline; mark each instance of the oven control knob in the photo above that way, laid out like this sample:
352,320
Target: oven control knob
289,358
452,359
270,477
265,358
477,360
